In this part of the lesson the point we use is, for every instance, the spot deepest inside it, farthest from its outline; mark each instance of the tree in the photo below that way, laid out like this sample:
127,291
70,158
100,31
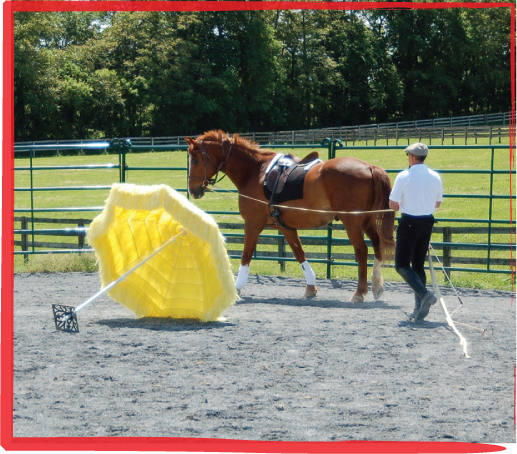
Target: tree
92,75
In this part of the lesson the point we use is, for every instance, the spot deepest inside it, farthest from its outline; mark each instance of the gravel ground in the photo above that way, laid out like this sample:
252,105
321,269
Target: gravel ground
281,367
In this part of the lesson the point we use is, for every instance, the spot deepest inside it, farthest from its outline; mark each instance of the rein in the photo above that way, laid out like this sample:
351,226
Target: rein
212,181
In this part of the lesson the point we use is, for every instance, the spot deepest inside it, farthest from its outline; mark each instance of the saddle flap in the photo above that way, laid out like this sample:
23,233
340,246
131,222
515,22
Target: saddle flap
271,178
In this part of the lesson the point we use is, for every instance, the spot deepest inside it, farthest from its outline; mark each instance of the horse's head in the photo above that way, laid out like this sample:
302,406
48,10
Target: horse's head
206,158
198,173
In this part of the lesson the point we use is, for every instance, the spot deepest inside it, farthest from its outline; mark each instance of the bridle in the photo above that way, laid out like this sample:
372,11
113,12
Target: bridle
206,157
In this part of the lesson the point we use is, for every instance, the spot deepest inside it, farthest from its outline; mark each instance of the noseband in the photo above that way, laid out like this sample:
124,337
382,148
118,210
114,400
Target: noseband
206,158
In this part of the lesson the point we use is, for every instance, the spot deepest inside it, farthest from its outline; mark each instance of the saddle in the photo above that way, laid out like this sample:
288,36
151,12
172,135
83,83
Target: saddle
284,181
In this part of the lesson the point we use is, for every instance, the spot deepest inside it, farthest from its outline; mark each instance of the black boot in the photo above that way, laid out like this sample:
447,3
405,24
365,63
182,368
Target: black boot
423,298
421,311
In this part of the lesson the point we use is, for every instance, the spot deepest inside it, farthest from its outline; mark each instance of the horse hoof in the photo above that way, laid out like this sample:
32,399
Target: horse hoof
238,292
377,287
310,291
357,298
377,292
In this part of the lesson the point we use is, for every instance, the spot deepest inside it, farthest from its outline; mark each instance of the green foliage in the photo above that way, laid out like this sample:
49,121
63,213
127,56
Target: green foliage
92,75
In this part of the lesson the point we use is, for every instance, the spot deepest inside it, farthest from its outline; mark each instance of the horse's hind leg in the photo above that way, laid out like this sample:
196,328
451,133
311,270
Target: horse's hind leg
294,242
377,279
355,235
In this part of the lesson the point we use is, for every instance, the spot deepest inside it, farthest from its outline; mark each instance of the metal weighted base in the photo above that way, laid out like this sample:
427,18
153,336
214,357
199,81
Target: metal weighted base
65,318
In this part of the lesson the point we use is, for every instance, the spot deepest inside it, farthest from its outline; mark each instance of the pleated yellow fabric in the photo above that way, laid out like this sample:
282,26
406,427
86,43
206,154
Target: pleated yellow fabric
190,278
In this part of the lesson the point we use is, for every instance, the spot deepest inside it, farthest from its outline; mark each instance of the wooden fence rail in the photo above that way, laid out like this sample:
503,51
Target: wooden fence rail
457,130
25,232
380,136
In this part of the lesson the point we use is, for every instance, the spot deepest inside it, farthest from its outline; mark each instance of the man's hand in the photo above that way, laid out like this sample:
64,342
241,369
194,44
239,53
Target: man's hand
395,206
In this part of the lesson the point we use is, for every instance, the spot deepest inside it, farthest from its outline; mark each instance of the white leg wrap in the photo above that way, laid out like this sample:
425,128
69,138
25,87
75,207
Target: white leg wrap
242,277
310,277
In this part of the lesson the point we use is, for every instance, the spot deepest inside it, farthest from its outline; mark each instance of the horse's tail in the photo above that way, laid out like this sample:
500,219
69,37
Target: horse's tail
383,222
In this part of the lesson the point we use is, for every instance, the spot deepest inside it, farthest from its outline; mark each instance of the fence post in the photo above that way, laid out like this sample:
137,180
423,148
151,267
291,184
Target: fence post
489,243
328,141
32,155
446,255
335,144
281,252
24,239
80,236
329,250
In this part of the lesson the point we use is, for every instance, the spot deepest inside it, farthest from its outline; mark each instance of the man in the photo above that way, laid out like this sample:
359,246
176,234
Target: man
416,193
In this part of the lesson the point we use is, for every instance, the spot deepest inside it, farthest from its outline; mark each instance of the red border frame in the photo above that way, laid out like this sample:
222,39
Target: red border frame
7,441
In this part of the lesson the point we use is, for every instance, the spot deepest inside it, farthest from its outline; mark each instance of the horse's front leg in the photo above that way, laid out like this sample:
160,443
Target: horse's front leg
296,246
251,235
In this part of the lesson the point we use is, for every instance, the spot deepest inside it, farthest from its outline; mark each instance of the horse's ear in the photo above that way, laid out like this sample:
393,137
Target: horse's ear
192,145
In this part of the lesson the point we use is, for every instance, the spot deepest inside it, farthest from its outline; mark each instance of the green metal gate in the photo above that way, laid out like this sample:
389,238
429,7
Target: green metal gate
123,148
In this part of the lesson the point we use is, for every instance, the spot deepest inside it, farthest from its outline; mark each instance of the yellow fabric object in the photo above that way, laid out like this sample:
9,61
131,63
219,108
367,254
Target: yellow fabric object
190,278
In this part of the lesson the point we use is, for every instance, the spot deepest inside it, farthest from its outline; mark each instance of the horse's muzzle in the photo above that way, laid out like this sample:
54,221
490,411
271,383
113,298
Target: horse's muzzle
198,192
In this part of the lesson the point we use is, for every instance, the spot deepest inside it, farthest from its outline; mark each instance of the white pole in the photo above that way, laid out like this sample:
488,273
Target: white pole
123,277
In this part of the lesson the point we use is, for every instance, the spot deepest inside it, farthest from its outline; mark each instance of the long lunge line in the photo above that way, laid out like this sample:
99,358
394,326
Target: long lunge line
301,208
450,322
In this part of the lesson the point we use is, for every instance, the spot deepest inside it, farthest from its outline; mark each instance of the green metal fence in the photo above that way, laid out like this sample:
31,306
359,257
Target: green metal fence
122,148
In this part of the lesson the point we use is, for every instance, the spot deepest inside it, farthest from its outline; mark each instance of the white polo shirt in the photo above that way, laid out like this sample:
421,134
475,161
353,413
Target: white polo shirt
417,190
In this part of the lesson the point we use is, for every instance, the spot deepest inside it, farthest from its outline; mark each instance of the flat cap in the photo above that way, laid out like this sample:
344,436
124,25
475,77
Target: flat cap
417,149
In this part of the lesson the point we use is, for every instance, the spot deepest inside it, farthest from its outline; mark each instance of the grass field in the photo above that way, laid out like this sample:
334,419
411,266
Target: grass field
391,160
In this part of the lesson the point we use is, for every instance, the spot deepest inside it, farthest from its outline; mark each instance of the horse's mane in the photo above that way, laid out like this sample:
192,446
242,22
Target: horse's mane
244,144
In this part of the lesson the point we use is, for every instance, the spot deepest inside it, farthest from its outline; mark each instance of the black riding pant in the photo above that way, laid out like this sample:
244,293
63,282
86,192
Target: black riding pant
413,237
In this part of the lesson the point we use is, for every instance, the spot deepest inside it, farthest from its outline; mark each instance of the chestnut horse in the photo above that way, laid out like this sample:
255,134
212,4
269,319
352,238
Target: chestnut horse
343,188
